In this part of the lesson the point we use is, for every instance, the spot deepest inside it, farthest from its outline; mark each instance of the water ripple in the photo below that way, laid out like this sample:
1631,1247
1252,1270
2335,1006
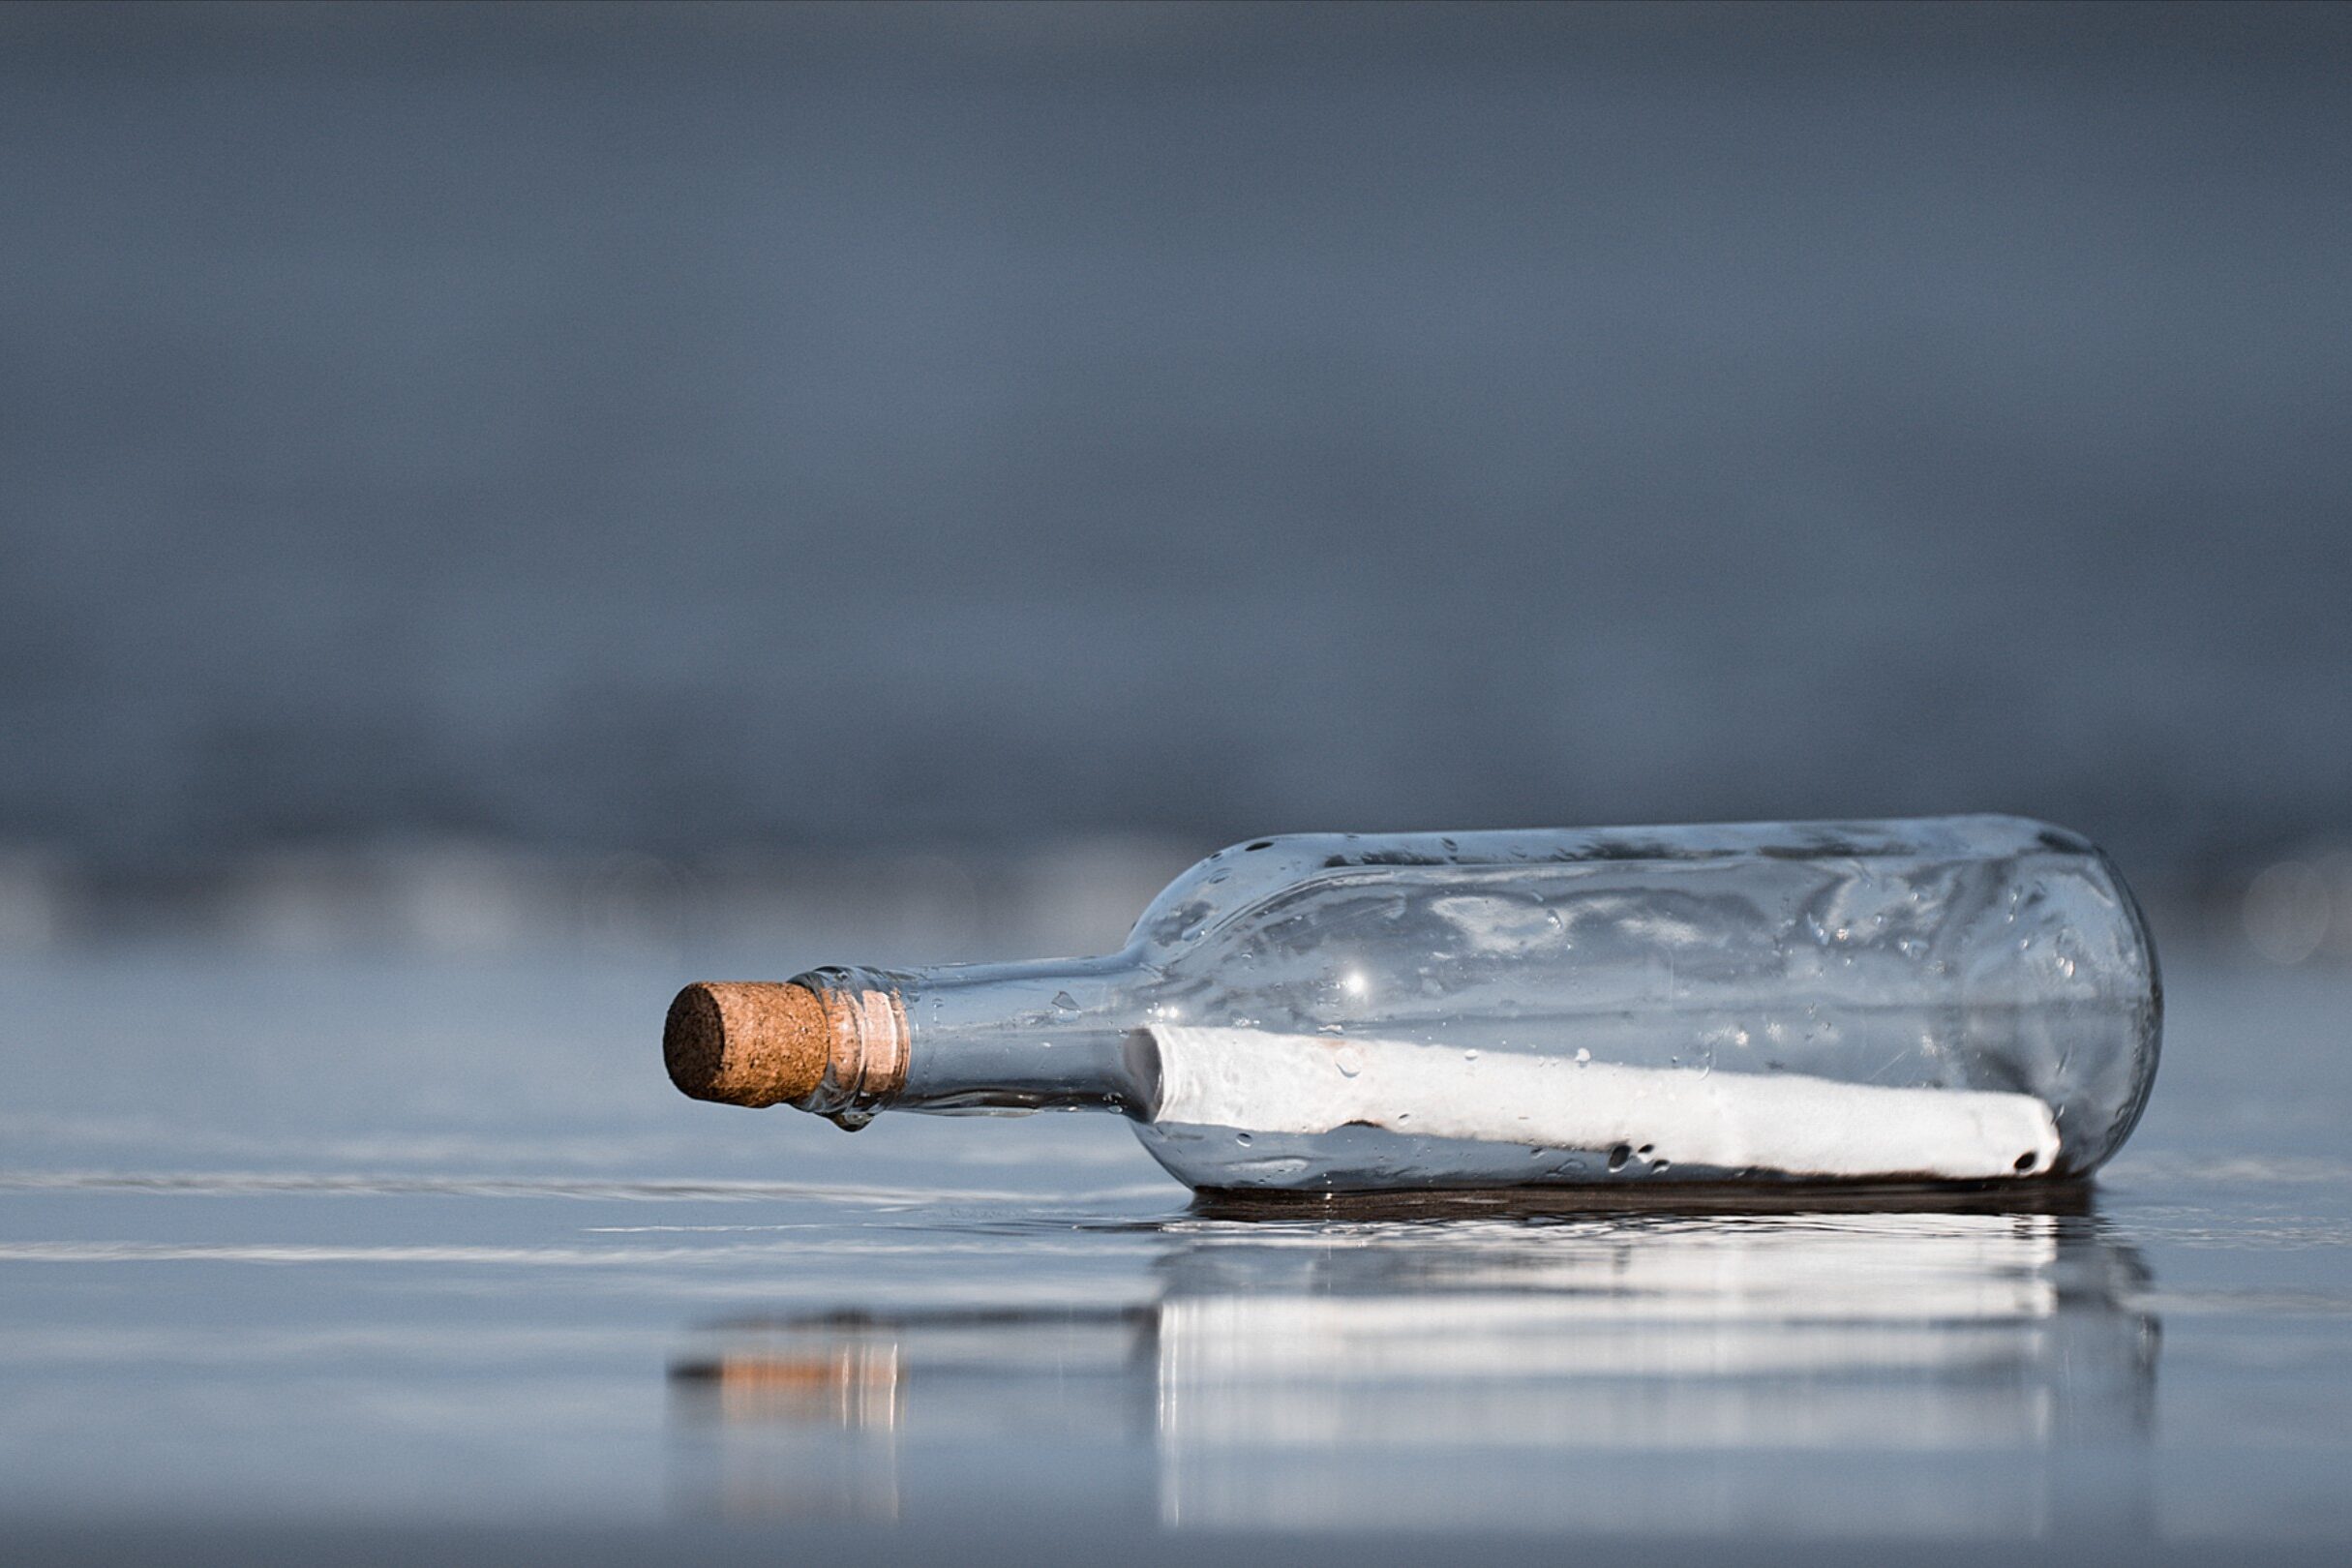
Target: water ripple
703,1190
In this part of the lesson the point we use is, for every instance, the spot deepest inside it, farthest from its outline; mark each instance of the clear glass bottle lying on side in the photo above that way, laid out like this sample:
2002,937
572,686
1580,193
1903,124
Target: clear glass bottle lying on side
1953,999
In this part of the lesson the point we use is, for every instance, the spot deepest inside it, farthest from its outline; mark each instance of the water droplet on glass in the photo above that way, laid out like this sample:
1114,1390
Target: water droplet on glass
1469,1056
1583,1056
1065,1001
1348,1062
1241,1139
1618,1156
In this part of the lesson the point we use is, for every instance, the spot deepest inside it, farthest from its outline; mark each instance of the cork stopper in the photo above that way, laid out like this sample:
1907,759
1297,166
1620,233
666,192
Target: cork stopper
764,1042
746,1042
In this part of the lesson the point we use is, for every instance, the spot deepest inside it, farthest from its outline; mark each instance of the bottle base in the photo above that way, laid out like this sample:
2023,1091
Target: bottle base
2061,1196
1359,1159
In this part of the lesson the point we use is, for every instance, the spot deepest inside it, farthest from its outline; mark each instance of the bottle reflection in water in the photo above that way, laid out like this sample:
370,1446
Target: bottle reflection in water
1915,1374
1956,999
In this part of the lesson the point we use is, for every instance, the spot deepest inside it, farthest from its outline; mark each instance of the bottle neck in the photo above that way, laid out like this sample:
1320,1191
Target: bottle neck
980,1037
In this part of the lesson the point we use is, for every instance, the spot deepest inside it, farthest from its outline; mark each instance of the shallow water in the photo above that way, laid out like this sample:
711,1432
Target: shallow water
325,1258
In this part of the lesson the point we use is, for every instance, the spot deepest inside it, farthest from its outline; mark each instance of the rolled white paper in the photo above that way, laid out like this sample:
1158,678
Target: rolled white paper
1784,1123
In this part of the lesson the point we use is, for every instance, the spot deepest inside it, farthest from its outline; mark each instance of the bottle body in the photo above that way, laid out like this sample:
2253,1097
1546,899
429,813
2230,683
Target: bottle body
1966,998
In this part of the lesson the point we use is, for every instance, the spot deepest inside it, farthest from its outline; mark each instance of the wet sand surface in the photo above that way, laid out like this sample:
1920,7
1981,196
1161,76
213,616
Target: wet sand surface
360,1260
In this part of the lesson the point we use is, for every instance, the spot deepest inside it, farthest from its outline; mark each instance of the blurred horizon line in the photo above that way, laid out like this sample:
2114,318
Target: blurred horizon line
911,902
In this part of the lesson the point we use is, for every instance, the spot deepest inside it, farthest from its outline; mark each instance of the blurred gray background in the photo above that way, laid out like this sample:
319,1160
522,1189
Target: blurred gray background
589,455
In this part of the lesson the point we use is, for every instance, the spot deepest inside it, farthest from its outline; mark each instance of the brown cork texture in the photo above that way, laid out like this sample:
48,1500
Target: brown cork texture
747,1042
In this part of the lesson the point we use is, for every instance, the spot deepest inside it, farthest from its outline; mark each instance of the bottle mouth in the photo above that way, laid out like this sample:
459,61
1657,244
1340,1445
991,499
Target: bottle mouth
866,1040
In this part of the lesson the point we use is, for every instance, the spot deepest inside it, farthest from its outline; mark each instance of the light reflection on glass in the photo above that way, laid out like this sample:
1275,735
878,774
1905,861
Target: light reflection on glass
1921,1373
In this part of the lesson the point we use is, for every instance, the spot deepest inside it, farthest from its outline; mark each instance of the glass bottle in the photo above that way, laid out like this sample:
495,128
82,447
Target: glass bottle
1953,999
